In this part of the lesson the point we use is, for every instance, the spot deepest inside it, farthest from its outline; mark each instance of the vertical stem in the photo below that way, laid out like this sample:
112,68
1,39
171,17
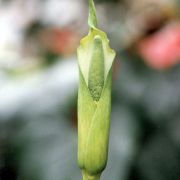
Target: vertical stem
92,20
90,177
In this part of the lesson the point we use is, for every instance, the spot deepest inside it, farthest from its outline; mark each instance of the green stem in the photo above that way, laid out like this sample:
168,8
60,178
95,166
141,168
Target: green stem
90,177
92,20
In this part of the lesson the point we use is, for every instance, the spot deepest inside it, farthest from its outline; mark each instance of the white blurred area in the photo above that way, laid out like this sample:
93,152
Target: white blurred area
15,17
16,91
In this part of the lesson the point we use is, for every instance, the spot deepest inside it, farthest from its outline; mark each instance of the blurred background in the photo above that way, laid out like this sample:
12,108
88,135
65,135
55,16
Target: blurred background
39,83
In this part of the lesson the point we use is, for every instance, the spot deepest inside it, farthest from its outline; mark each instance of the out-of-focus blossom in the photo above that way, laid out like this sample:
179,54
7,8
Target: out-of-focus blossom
162,49
60,41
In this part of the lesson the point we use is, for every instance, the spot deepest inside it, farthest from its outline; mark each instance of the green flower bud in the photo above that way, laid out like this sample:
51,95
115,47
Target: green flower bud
95,59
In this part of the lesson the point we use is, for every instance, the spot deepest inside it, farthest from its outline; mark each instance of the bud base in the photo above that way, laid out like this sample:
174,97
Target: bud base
86,176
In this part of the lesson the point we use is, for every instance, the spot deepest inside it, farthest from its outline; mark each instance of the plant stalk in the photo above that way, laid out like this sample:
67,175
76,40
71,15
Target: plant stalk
90,177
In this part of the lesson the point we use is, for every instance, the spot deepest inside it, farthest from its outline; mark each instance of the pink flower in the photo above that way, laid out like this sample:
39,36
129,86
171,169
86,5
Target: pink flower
162,49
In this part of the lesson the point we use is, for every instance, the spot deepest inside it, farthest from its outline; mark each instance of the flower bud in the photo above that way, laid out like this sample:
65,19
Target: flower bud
95,59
